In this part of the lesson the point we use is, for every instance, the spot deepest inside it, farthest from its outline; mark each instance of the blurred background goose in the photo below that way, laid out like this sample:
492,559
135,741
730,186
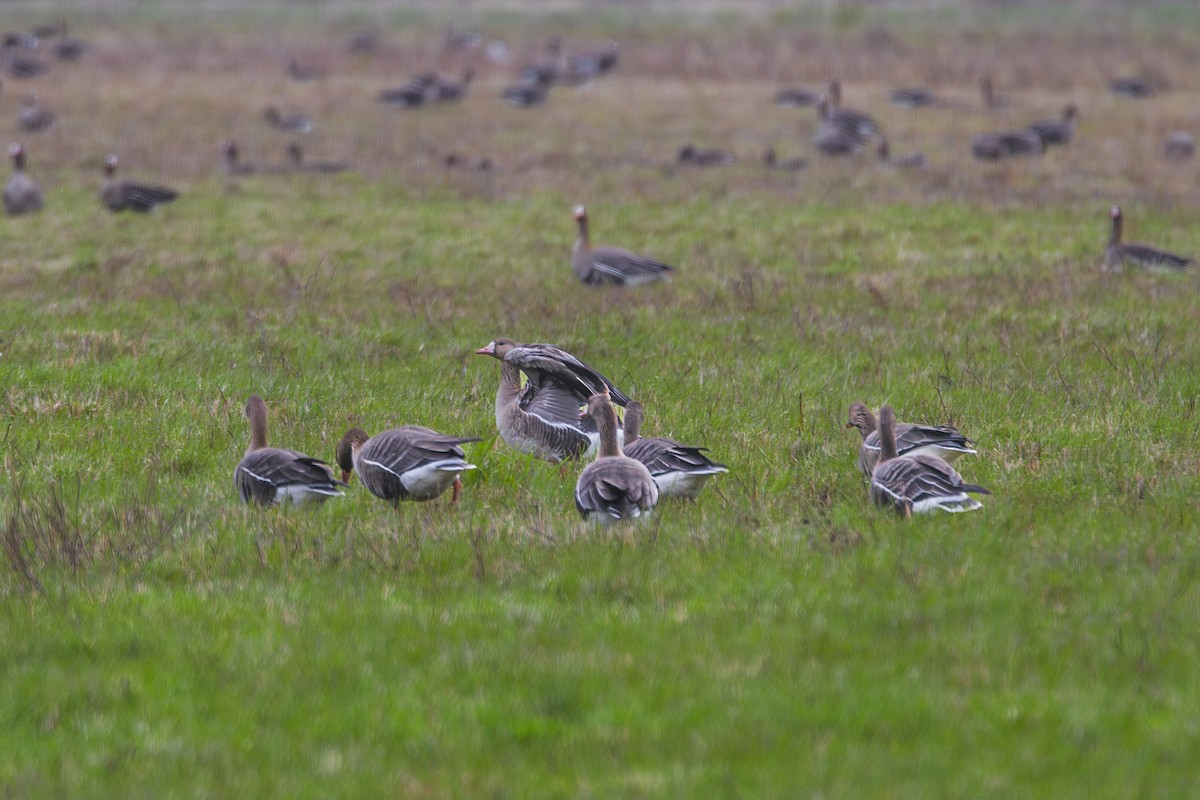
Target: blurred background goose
297,162
907,161
614,487
291,122
119,195
22,195
1118,254
1132,88
771,161
704,156
1056,131
33,116
1179,146
407,463
270,475
795,97
612,266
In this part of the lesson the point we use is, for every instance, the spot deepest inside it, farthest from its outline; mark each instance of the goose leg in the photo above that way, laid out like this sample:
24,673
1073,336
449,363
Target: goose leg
457,495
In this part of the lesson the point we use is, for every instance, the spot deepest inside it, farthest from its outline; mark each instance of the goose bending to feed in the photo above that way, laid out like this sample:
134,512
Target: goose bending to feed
594,63
704,156
34,116
524,95
297,163
542,418
406,463
943,441
916,484
292,122
121,195
1179,146
270,475
614,487
612,266
907,161
21,195
1134,88
1117,254
915,98
1056,131
233,163
678,469
771,161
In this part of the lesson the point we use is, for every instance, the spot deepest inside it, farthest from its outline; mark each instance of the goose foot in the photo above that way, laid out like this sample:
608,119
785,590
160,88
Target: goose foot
457,495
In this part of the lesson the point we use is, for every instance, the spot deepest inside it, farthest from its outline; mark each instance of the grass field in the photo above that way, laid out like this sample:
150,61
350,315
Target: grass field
777,638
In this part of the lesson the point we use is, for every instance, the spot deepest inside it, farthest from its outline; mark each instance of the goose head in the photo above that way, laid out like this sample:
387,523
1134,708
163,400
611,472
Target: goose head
350,444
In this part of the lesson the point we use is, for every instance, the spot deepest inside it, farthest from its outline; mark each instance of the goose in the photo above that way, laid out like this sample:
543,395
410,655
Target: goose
796,98
915,98
995,146
990,98
1055,131
908,161
407,463
678,470
419,90
120,195
297,163
66,48
468,164
233,164
542,418
943,441
594,63
270,475
916,484
21,195
363,41
614,487
293,122
612,266
448,90
524,95
34,116
1179,146
299,72
1133,88
1117,254
788,165
704,156
856,121
18,66
836,137
544,73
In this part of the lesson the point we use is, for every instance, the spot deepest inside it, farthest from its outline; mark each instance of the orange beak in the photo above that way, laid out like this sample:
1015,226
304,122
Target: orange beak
346,476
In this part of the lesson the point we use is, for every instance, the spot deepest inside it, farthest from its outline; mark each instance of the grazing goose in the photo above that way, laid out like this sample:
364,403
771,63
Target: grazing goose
68,48
943,441
796,98
448,90
1179,146
297,163
1133,88
21,195
233,164
915,98
704,156
419,90
269,475
121,195
995,146
459,161
524,95
678,469
299,72
406,463
542,418
908,161
612,266
855,121
292,123
787,165
1056,131
34,116
916,484
1117,254
594,63
614,487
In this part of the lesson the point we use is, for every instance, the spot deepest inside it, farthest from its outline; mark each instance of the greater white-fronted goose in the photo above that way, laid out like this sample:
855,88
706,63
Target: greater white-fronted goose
34,116
915,97
291,122
449,90
835,137
855,121
544,73
1179,146
678,470
233,163
907,161
916,484
1133,88
995,146
943,441
419,90
19,66
704,156
297,163
1118,254
21,195
68,48
612,266
119,195
406,463
269,475
594,63
771,161
523,95
1057,131
796,97
614,487
462,39
542,418
302,72
467,163
363,41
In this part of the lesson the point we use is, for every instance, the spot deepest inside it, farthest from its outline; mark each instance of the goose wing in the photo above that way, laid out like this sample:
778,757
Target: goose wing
552,372
263,473
614,265
661,455
921,483
617,487
1152,258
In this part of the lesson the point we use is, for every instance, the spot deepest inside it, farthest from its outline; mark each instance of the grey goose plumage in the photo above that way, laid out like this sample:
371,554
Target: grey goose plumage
857,121
1118,253
270,475
1056,131
542,418
1179,146
33,116
795,97
614,487
906,161
22,195
837,136
915,97
916,484
772,161
704,156
1133,88
943,441
297,163
411,462
289,122
612,266
678,470
119,195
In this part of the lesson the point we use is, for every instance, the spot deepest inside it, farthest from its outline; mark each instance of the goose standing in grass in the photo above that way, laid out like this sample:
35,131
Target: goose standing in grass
704,156
1179,146
614,487
269,475
594,63
22,195
916,484
943,441
33,116
419,90
119,195
406,463
612,266
907,161
863,124
524,95
678,470
292,122
837,137
542,418
1118,254
448,90
915,98
233,163
1057,131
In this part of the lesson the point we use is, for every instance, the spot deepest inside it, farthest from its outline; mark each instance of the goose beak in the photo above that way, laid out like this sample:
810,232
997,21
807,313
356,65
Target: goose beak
487,350
346,476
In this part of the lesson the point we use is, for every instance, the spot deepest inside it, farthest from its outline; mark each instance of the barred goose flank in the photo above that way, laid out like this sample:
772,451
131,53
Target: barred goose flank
407,463
119,195
907,161
269,475
1057,131
612,266
614,487
704,156
943,441
916,484
1118,254
542,418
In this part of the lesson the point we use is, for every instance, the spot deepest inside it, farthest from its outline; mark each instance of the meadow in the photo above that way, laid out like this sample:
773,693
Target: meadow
779,637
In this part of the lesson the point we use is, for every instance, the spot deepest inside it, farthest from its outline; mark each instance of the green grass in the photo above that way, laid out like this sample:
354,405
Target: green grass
776,638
